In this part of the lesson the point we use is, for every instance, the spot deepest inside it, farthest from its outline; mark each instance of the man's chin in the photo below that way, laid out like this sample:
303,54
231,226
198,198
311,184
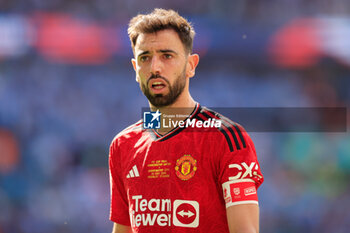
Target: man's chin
159,104
160,100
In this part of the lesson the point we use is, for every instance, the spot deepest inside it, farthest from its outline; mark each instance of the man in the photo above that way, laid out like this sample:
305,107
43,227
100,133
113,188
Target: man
182,178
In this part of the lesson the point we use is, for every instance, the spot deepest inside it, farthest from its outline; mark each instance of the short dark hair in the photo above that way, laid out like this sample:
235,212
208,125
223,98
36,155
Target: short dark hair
161,19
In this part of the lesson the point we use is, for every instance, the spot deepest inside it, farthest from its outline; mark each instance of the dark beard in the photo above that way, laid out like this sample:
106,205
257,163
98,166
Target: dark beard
160,100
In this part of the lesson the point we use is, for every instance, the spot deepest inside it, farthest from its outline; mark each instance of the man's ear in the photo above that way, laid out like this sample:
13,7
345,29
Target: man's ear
192,63
133,61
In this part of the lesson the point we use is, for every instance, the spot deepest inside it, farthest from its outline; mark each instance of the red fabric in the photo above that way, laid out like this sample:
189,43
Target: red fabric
174,185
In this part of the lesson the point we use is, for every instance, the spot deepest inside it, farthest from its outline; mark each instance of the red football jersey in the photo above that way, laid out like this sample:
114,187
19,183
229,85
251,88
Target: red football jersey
182,181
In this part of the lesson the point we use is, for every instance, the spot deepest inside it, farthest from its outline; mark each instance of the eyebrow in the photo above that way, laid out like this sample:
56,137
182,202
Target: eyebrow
167,51
143,53
161,51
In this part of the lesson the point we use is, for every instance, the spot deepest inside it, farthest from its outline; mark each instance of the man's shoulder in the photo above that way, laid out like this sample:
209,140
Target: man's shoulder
129,132
213,114
230,131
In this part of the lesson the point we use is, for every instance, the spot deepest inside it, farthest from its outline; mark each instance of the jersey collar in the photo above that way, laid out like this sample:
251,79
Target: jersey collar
159,137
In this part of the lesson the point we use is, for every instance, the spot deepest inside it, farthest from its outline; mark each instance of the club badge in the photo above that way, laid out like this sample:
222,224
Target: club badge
186,167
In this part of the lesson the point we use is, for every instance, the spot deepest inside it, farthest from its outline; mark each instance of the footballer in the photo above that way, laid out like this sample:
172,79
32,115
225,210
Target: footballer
185,177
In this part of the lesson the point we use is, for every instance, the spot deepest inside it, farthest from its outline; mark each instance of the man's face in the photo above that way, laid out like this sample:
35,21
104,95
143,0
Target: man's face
161,66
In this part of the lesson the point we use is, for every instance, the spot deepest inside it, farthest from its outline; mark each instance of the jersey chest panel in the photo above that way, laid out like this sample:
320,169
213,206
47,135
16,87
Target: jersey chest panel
173,183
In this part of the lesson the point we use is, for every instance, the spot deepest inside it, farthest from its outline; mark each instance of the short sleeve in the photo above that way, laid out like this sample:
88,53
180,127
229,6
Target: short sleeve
119,210
240,174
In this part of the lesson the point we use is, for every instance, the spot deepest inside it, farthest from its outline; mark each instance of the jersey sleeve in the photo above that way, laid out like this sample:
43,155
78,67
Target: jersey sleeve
239,173
119,210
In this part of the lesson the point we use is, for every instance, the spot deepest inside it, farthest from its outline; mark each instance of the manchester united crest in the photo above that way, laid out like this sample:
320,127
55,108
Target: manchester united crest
186,167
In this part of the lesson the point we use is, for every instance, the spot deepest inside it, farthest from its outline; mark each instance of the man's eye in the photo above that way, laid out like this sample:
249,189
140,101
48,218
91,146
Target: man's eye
168,56
144,58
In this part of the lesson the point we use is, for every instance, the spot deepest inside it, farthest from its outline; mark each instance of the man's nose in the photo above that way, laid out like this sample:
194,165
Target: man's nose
156,65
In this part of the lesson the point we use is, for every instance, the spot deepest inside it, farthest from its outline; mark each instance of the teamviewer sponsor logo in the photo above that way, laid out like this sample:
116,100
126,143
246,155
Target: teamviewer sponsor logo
151,120
186,213
164,212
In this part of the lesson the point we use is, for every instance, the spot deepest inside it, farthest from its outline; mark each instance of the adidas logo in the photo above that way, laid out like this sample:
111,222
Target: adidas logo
133,172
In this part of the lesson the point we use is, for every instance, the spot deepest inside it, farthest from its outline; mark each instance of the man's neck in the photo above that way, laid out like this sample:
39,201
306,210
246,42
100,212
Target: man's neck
174,113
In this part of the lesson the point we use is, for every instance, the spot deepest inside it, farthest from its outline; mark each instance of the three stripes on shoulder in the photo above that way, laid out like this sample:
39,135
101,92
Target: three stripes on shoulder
231,131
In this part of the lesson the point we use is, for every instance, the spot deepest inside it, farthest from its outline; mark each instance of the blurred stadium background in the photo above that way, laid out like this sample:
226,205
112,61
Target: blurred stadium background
67,87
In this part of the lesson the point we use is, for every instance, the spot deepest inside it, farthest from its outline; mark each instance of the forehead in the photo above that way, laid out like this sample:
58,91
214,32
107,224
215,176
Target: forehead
164,39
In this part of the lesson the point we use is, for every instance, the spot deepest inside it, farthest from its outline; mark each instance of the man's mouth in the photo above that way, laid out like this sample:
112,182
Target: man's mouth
157,85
